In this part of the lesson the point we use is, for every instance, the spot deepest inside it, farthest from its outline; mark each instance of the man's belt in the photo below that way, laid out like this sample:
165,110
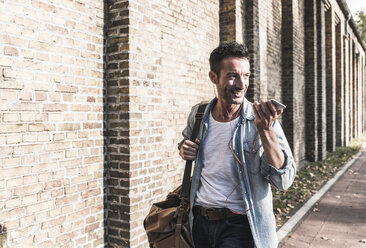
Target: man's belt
213,214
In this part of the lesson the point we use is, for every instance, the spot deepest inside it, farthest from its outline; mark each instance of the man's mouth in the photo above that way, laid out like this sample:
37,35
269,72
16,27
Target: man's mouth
238,93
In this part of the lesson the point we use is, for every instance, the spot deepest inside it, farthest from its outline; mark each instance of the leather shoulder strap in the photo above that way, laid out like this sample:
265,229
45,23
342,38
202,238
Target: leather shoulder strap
188,169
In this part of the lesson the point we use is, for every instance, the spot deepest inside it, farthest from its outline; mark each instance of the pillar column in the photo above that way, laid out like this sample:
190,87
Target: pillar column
330,79
321,85
311,89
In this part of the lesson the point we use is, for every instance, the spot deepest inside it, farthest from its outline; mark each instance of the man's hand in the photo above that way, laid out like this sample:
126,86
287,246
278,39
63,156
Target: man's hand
265,114
188,150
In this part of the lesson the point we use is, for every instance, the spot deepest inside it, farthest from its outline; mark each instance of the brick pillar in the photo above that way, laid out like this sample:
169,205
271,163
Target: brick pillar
351,88
347,88
355,90
252,40
364,93
321,86
157,70
311,89
288,69
118,199
227,20
232,27
339,83
349,94
330,79
356,93
359,95
240,20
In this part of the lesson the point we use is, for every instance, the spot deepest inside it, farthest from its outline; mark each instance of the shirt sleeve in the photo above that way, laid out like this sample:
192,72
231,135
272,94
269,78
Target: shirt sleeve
284,177
187,131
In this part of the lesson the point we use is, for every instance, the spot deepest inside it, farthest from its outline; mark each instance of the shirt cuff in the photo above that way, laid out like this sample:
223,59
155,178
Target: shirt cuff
268,169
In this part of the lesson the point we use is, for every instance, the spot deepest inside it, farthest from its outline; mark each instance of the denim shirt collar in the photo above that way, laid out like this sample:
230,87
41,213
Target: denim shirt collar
246,112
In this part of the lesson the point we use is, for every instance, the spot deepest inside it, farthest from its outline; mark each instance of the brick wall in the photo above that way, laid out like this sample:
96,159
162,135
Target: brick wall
321,76
311,82
339,82
117,124
293,80
51,121
158,69
94,96
299,108
272,59
251,36
330,50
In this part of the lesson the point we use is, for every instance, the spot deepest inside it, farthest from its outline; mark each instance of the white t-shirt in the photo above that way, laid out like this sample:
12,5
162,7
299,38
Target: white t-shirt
219,174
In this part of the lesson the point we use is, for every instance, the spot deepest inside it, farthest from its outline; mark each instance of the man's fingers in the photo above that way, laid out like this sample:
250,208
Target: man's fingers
189,149
256,114
266,110
257,110
272,108
191,144
189,152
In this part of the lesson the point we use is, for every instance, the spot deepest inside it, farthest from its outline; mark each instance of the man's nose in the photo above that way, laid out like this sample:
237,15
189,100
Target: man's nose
240,82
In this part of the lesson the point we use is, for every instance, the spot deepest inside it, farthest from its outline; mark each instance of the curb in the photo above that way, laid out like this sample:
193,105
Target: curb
292,223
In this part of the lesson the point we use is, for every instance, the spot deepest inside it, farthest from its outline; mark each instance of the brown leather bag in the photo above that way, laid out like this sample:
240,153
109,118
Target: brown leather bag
167,224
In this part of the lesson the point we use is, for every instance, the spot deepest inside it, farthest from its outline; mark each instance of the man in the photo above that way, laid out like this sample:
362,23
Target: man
240,151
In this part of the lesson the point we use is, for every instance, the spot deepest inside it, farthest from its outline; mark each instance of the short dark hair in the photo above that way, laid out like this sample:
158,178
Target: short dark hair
226,50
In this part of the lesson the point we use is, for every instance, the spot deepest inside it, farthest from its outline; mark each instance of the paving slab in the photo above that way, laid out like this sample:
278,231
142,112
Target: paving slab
339,219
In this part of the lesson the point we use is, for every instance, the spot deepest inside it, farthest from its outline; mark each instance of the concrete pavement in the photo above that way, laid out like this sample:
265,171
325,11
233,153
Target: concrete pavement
338,219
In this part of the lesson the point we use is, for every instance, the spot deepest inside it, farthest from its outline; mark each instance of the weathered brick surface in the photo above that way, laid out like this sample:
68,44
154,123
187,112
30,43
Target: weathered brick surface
286,64
339,84
158,50
252,40
330,51
293,79
98,92
50,82
321,84
311,91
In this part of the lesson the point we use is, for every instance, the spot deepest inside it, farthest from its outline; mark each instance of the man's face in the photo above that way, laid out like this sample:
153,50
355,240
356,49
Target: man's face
233,81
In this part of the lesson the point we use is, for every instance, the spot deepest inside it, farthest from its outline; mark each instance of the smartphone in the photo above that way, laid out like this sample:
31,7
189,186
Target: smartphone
278,105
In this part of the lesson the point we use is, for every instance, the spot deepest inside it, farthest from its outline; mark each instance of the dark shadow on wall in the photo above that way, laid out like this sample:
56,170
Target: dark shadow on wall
116,123
105,123
3,235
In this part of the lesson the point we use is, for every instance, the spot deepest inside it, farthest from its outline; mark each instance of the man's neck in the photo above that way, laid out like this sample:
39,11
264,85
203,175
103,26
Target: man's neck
223,112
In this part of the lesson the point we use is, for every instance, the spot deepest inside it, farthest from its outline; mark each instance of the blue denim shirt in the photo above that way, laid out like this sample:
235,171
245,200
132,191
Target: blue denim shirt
257,175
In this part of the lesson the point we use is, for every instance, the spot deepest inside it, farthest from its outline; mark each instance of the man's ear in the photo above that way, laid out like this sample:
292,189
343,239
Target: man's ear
213,77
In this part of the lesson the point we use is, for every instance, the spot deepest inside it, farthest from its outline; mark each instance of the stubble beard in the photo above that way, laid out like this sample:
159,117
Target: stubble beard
228,97
236,101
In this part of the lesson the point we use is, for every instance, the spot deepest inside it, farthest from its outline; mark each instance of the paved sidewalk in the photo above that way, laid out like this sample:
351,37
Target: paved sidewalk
339,219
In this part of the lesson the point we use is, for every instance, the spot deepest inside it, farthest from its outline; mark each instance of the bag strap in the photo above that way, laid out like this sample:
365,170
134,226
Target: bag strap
188,169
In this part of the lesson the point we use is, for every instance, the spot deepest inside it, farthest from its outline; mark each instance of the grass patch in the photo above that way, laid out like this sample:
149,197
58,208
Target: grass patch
310,178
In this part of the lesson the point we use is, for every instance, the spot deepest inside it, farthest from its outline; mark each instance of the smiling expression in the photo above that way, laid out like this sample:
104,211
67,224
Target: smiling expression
233,81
